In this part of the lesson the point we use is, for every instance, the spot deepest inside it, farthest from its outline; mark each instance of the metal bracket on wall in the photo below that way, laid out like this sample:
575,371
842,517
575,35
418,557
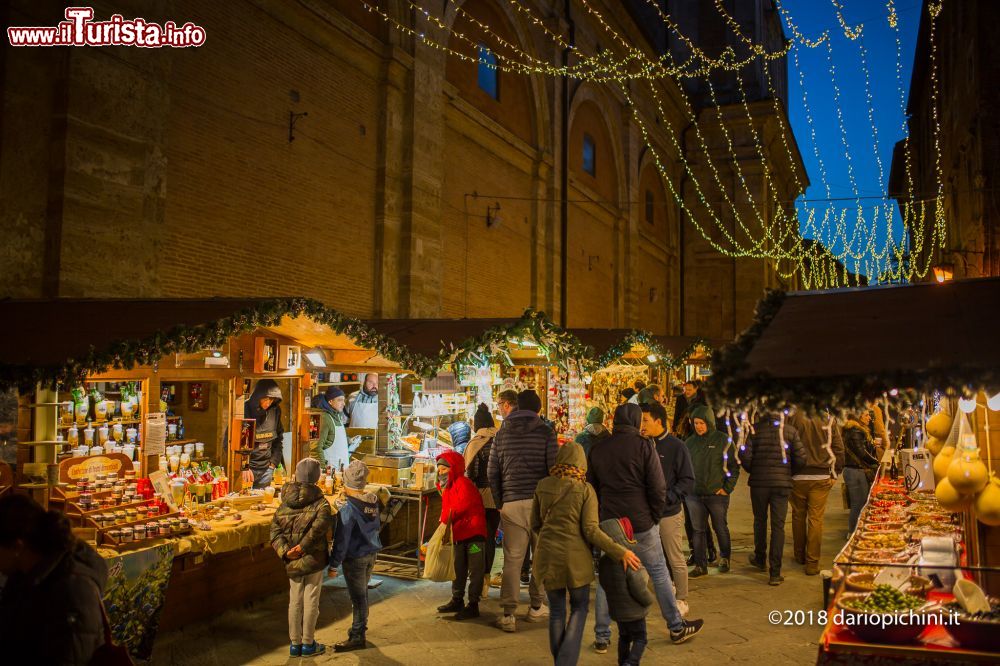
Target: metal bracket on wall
292,119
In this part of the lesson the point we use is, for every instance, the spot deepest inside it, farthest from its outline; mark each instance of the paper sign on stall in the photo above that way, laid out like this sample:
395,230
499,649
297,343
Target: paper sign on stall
156,434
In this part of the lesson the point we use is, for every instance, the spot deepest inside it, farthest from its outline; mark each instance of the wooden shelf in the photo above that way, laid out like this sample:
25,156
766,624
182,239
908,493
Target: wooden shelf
338,383
31,486
97,424
45,404
43,443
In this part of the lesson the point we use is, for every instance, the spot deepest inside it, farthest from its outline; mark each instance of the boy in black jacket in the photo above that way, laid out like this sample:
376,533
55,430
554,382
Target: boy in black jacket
628,594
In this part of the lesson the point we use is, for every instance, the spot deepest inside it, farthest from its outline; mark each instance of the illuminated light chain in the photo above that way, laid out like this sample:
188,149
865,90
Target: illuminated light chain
781,438
892,18
604,68
729,429
871,119
799,37
849,32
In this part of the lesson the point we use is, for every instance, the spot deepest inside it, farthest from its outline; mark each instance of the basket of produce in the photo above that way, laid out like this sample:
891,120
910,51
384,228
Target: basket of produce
871,616
976,631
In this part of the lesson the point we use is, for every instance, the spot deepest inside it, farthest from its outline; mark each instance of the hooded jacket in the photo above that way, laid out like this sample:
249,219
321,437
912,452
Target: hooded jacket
626,473
460,433
330,419
523,451
678,474
461,501
52,615
564,516
592,434
269,431
356,533
859,449
714,462
769,460
822,442
477,462
629,597
303,519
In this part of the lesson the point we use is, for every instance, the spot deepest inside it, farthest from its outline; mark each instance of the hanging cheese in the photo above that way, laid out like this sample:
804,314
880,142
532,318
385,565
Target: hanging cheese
967,473
942,461
949,498
939,425
934,445
988,503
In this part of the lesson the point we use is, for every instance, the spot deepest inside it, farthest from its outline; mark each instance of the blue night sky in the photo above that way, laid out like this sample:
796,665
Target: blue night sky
812,17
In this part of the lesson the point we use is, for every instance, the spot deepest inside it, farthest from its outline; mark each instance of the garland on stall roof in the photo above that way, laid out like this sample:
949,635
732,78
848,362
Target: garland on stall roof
664,358
732,387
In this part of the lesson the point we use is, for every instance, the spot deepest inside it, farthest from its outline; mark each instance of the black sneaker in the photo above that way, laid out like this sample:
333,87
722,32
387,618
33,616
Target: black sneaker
469,612
724,565
698,572
712,557
452,606
601,647
755,563
691,627
776,579
525,580
352,643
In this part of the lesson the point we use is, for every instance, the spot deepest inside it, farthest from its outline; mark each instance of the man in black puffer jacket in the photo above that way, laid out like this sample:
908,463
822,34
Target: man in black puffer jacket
523,451
770,456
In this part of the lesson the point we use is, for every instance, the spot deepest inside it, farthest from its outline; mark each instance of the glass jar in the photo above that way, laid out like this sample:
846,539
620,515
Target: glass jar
127,534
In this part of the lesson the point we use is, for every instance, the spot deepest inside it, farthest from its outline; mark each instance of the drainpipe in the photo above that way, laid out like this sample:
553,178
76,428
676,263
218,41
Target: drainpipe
564,179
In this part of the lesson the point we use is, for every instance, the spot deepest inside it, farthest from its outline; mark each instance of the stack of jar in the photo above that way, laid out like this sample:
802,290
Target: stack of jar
154,529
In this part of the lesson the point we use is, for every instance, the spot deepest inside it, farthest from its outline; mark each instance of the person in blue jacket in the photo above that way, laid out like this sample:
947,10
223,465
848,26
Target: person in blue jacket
355,545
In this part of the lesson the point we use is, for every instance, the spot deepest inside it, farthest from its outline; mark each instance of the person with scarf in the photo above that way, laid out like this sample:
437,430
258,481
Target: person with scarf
477,460
564,518
860,463
332,447
264,406
363,408
594,430
462,507
715,475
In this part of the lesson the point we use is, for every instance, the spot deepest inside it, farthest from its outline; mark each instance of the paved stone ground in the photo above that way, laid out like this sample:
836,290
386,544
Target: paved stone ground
404,629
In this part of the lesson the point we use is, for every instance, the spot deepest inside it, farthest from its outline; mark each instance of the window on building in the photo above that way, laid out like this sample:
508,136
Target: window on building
589,155
489,75
649,206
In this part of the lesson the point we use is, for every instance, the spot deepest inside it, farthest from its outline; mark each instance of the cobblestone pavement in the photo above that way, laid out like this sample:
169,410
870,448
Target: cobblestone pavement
404,629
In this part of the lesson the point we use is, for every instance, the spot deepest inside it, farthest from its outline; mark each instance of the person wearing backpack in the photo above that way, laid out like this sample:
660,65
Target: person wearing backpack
477,460
299,537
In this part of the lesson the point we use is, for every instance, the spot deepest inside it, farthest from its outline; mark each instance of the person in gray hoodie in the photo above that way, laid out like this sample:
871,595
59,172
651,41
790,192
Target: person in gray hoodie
629,596
523,451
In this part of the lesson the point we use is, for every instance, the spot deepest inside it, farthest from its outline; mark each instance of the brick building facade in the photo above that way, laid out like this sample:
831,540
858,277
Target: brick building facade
411,189
969,120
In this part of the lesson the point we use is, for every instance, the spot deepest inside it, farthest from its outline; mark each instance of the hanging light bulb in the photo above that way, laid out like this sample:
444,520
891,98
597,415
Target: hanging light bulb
967,405
652,358
994,402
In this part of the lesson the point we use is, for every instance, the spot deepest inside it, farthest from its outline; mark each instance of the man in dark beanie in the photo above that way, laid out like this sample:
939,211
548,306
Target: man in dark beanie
332,446
522,453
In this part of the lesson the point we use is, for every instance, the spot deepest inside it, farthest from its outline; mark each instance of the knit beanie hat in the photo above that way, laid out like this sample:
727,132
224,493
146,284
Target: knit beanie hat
483,418
529,400
307,471
356,475
332,393
595,415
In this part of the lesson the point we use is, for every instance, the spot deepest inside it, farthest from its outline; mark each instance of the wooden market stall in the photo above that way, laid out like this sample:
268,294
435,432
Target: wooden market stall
145,380
927,353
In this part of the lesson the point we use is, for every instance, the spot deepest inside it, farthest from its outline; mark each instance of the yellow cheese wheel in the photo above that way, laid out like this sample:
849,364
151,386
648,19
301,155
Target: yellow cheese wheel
939,425
967,473
988,503
949,498
942,461
934,445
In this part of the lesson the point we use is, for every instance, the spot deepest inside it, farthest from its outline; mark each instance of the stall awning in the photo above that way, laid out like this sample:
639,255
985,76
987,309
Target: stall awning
66,339
611,344
834,348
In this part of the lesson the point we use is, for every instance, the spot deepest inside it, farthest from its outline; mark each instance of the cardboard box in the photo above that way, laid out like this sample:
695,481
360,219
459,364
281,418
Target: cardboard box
387,475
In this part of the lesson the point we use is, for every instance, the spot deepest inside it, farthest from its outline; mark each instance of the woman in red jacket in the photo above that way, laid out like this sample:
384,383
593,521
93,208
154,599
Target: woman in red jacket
462,504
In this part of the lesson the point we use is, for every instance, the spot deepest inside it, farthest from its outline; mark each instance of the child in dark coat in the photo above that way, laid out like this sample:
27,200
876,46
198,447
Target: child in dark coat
628,594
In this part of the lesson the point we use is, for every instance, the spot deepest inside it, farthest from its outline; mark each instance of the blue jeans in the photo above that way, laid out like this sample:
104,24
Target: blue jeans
700,507
357,573
649,549
857,493
631,642
564,638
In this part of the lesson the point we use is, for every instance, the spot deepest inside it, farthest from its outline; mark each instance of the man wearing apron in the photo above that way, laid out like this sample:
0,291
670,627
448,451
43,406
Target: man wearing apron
264,406
332,448
364,403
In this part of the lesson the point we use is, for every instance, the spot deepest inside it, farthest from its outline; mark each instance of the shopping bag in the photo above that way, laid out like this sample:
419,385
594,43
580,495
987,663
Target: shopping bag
439,565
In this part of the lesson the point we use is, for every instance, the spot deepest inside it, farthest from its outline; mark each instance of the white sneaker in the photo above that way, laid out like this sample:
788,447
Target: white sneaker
682,608
506,623
537,614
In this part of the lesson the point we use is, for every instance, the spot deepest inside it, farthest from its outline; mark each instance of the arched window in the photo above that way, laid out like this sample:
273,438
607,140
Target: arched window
589,155
488,74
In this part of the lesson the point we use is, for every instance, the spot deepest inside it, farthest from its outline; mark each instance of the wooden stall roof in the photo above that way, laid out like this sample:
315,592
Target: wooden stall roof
829,343
429,336
603,339
51,334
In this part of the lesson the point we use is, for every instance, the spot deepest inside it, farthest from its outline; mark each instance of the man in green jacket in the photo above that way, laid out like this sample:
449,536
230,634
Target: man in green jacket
715,472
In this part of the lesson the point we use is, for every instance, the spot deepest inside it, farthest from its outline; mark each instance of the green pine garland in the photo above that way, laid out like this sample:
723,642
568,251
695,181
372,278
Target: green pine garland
556,343
732,387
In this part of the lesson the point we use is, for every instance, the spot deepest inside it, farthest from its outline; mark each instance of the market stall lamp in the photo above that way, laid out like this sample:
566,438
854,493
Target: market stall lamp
967,405
944,272
994,402
652,358
316,358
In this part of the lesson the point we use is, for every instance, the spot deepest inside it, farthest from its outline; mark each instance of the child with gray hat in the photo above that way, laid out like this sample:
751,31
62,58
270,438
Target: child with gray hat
355,545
